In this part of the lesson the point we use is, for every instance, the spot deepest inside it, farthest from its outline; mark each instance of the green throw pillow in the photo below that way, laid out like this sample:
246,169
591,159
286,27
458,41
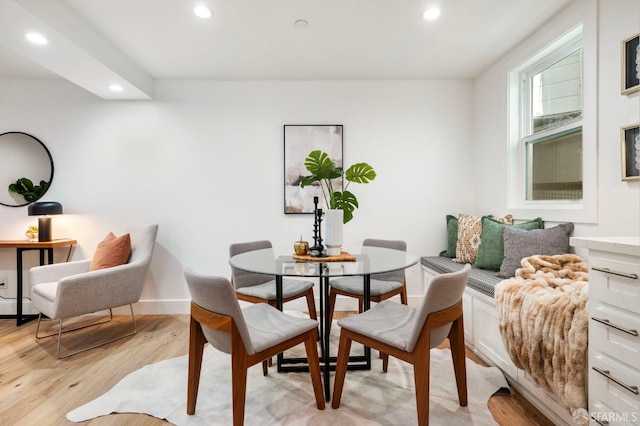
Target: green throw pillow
452,237
491,250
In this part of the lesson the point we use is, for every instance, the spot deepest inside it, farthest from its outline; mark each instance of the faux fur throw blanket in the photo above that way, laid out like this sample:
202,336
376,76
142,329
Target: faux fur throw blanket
544,324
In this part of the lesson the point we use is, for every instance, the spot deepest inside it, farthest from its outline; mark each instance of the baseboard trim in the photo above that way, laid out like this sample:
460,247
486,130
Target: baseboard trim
178,306
182,306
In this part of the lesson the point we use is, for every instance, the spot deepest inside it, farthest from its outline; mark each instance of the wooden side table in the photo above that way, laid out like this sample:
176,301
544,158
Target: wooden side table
21,246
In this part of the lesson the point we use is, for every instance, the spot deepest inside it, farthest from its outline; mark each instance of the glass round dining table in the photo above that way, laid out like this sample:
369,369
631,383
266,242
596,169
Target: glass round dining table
370,261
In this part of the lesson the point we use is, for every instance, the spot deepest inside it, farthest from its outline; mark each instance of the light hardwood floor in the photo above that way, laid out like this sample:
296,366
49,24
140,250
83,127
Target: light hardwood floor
38,389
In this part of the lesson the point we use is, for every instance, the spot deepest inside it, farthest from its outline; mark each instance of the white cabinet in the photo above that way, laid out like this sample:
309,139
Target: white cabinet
488,339
614,328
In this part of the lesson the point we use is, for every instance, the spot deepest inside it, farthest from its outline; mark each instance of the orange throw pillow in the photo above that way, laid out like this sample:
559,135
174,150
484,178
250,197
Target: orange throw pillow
112,251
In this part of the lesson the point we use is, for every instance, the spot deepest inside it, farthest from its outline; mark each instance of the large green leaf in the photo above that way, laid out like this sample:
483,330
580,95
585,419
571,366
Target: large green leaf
321,168
25,183
360,173
319,163
347,202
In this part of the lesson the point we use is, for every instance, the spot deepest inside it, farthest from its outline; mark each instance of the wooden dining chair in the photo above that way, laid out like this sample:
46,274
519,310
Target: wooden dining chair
383,286
251,335
409,335
261,288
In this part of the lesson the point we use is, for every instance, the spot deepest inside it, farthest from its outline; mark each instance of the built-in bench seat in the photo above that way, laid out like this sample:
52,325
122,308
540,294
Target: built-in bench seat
480,279
482,333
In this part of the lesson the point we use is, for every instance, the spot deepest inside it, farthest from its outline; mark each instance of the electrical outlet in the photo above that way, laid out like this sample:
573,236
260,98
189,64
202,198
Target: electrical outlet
4,282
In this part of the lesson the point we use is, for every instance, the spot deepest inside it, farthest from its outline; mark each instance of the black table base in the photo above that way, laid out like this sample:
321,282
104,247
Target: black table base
19,316
356,362
300,365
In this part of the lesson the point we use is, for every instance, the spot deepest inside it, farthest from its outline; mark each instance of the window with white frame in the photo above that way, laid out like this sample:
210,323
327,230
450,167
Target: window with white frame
551,123
552,157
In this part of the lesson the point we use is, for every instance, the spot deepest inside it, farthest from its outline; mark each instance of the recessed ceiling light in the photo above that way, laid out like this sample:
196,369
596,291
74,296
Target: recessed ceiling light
431,13
301,23
36,38
115,88
202,12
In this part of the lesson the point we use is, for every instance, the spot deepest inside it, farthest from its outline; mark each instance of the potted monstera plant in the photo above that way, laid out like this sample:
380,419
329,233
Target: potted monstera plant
340,204
323,170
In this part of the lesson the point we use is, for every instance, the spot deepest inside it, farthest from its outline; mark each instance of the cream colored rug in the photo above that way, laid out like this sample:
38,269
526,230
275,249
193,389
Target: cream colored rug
369,397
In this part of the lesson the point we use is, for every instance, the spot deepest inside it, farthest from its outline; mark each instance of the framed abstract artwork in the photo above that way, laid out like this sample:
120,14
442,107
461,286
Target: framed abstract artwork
630,148
631,64
299,141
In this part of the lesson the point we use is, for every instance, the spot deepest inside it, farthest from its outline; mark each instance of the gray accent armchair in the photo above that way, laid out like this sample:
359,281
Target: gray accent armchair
65,290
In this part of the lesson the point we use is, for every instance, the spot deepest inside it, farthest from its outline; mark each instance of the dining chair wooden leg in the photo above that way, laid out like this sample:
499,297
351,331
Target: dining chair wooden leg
275,305
314,368
239,367
265,367
196,349
421,378
456,341
238,387
341,367
385,361
332,307
404,299
311,303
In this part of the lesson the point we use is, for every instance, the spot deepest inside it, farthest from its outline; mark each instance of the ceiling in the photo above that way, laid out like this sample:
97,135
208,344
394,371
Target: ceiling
94,43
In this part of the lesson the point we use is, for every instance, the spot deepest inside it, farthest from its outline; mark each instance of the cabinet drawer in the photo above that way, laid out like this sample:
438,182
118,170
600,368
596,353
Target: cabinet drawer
615,332
614,384
615,283
603,415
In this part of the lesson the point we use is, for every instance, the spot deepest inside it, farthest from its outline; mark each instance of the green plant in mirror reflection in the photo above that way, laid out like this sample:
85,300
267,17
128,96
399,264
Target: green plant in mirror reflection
28,190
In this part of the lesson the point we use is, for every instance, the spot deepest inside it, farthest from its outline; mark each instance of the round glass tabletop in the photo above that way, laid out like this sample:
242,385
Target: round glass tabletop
370,260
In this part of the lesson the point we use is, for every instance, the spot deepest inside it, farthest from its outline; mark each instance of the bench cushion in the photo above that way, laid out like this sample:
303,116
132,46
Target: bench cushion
481,280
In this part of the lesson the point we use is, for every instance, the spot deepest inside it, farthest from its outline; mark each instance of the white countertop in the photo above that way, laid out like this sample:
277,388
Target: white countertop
624,245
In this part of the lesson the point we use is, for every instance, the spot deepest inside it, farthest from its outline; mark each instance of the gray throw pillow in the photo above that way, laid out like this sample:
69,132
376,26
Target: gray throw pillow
520,243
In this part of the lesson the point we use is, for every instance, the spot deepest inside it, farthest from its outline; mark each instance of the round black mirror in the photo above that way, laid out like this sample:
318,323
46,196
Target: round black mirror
26,169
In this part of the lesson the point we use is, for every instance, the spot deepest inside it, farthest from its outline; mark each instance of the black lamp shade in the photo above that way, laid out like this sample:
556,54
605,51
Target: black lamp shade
43,209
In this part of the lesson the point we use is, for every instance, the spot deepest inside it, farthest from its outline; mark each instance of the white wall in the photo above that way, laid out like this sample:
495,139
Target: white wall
618,201
204,160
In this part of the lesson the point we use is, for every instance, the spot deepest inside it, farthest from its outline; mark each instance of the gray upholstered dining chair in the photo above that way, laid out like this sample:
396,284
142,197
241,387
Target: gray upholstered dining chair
410,334
251,335
383,286
65,290
260,288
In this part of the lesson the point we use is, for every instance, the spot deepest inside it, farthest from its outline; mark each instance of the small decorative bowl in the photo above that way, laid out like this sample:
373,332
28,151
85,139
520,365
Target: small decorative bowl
32,236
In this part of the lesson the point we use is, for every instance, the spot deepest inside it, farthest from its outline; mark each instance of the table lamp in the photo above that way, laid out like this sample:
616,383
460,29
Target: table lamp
44,209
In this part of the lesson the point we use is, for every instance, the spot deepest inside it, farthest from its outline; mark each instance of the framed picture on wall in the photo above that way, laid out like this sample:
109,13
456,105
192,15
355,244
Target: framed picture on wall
631,65
630,152
299,141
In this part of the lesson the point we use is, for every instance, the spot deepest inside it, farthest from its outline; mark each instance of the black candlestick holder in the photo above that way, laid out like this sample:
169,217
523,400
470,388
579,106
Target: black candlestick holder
318,249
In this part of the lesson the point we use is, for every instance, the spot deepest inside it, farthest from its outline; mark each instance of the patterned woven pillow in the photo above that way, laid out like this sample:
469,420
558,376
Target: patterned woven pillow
469,232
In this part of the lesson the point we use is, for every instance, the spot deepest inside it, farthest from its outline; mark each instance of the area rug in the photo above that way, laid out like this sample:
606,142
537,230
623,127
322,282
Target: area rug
369,397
